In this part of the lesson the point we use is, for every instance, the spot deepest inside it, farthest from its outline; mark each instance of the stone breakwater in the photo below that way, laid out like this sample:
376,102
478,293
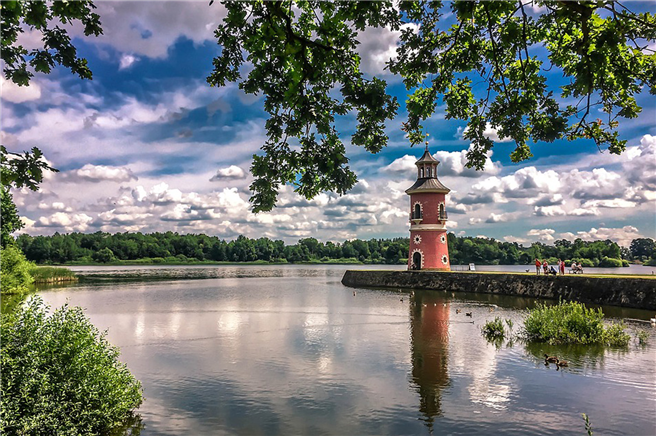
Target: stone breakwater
621,291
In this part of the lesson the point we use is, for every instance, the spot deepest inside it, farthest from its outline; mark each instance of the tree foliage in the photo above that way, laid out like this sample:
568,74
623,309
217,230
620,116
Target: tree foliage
495,66
15,274
172,247
61,376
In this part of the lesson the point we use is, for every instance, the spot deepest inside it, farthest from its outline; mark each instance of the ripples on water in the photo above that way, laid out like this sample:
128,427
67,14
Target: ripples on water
289,350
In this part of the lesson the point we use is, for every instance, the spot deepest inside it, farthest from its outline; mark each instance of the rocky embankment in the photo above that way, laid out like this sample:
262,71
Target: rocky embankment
615,291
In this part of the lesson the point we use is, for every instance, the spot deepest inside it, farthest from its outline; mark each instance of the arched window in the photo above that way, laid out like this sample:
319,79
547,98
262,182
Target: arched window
417,211
442,214
421,172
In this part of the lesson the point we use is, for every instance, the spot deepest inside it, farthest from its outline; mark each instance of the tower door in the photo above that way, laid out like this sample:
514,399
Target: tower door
416,260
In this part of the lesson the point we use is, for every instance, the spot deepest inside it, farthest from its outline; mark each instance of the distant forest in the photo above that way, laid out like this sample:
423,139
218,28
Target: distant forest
170,247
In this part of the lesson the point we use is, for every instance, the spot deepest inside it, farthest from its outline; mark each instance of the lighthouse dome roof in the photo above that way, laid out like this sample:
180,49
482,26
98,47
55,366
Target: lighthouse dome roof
427,185
427,158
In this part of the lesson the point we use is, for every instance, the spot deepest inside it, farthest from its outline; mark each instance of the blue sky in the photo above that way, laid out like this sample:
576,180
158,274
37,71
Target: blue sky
147,146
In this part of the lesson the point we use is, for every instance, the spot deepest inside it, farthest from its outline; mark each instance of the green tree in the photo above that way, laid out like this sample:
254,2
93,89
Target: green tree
104,255
10,220
489,67
15,274
642,247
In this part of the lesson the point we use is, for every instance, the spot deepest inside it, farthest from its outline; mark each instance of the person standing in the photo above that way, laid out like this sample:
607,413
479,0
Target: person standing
545,267
537,266
561,267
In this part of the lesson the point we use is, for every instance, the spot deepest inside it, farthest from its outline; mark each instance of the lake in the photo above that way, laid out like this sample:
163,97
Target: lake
279,350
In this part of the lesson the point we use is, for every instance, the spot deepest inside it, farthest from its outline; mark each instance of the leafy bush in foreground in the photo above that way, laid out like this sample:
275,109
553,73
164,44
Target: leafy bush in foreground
572,323
60,376
15,272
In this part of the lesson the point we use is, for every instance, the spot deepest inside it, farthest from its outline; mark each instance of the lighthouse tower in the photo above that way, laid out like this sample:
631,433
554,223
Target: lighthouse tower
428,243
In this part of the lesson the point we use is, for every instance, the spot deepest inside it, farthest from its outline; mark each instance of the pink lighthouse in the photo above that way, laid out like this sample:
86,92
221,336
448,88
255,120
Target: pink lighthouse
428,243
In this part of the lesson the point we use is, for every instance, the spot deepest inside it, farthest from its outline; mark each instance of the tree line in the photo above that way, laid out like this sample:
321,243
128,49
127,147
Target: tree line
174,247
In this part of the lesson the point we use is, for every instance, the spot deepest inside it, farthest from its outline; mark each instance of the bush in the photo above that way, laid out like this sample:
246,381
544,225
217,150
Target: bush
15,274
60,375
104,255
609,262
616,336
586,263
625,263
494,329
571,323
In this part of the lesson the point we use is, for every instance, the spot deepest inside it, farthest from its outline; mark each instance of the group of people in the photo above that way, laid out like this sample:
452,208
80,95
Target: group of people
546,269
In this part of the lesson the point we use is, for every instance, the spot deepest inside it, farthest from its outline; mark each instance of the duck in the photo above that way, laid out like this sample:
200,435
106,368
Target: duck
469,314
491,309
526,270
561,363
401,300
458,310
354,293
550,359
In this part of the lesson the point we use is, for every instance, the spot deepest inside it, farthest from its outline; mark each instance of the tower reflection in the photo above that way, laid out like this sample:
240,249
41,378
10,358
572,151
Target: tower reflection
429,344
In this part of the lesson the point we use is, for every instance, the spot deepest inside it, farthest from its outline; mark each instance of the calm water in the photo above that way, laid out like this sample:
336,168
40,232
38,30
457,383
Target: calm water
289,350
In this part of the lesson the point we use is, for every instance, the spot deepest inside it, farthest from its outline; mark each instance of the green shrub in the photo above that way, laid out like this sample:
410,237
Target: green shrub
494,329
609,262
643,337
586,263
60,376
104,255
625,263
15,276
616,336
571,323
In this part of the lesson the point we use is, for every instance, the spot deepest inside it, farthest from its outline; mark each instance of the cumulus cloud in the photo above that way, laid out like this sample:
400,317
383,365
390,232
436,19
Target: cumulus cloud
499,218
230,173
126,61
622,235
100,173
490,132
19,94
549,211
68,222
542,234
377,47
150,28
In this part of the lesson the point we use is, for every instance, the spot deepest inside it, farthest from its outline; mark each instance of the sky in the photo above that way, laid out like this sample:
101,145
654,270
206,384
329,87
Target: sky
148,145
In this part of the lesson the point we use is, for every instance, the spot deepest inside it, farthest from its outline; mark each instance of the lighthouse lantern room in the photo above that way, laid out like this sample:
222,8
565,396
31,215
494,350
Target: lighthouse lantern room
428,242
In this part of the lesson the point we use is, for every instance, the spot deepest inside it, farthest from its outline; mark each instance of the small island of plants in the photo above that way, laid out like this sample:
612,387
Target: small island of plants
563,323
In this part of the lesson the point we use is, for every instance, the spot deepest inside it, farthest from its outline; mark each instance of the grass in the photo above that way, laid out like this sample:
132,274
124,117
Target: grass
51,274
572,323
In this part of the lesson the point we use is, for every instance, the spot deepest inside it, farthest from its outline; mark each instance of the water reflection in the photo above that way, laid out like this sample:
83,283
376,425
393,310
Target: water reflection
294,352
429,345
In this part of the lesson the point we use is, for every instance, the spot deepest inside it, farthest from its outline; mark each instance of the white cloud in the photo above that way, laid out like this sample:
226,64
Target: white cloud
19,94
150,28
549,211
489,132
622,235
99,173
68,222
231,172
377,47
126,61
542,234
